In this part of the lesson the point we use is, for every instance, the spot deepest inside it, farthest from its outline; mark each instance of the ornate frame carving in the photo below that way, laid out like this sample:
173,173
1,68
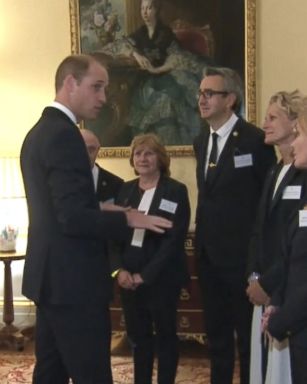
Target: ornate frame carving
250,73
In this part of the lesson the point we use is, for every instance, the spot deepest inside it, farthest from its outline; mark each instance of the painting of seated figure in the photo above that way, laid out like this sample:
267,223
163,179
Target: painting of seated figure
156,52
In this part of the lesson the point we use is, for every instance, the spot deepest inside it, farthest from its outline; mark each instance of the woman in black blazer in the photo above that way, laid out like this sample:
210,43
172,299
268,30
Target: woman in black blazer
153,268
283,188
287,317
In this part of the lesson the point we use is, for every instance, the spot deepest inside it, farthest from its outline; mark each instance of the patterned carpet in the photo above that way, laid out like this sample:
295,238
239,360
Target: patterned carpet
16,367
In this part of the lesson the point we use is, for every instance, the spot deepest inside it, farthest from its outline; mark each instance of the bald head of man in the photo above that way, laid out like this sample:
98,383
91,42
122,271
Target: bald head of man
92,144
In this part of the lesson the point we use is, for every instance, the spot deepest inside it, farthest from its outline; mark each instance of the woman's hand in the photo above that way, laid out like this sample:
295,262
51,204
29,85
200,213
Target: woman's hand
138,280
256,294
125,280
143,62
269,311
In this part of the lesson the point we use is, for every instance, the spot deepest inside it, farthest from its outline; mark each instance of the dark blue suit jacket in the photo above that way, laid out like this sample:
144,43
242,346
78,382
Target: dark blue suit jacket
108,185
226,210
65,261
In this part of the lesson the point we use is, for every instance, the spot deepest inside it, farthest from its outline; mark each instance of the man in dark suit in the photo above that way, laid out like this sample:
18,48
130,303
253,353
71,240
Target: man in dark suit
232,161
107,185
66,270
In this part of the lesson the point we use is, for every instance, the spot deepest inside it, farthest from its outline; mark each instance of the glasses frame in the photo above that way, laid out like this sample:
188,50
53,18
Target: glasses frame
209,93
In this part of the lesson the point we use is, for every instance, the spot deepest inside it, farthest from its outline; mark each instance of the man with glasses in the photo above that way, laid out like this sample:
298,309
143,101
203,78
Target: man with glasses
232,161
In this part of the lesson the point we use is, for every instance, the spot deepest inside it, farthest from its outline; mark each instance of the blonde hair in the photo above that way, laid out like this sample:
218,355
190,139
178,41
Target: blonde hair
302,115
153,142
289,102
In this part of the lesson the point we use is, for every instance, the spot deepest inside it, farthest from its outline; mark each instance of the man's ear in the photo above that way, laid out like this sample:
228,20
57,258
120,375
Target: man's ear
232,98
70,83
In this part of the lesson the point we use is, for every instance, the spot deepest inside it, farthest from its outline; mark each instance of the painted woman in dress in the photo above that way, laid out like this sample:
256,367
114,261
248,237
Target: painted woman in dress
164,98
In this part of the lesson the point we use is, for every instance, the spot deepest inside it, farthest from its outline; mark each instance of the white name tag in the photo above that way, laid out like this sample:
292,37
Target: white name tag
168,206
303,218
292,192
243,161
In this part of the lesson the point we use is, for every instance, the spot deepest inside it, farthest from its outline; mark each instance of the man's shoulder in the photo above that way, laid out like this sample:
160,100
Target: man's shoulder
205,131
248,128
107,175
173,183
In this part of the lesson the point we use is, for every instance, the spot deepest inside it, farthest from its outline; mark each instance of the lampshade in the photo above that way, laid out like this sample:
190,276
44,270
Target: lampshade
11,184
13,209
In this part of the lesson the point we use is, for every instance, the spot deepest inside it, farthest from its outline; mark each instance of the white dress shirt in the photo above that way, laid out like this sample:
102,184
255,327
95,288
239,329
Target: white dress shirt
223,134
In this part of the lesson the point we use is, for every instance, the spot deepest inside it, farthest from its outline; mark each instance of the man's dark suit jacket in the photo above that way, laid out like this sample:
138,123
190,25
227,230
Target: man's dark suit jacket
65,261
226,209
265,257
108,185
161,260
291,318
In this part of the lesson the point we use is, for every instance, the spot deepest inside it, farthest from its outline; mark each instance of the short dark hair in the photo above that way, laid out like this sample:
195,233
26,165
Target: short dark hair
154,143
232,83
75,65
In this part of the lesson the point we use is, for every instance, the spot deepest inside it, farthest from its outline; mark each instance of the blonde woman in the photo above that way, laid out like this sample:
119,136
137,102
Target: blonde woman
281,196
287,317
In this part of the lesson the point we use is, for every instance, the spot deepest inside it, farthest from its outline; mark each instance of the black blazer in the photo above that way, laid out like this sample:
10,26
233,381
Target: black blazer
291,318
65,261
108,185
226,209
161,260
265,256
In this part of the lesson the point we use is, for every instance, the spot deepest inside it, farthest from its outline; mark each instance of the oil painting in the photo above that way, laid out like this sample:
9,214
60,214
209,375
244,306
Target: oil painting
156,52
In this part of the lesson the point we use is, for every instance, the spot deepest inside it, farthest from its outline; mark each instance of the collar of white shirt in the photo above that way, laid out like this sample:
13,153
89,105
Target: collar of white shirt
95,172
226,128
61,107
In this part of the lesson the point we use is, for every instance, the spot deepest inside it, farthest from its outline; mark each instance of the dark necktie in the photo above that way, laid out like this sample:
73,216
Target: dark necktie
212,158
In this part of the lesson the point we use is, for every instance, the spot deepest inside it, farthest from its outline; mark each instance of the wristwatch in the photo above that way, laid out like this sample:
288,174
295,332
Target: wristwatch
253,276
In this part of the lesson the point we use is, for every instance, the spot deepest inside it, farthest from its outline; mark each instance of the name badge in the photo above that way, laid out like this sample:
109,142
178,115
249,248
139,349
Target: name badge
303,218
243,161
168,206
292,192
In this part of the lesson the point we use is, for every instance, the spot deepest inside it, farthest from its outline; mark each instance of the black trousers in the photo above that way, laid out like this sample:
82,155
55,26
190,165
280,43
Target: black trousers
228,313
298,358
146,312
73,342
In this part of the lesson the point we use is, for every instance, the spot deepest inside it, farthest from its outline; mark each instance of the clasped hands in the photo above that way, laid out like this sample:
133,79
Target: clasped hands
269,311
127,280
257,294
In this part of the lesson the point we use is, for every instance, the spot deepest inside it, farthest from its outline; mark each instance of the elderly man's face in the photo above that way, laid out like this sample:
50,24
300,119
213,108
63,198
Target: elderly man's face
92,145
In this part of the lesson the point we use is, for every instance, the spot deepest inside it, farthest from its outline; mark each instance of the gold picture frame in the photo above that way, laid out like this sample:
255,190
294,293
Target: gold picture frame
131,19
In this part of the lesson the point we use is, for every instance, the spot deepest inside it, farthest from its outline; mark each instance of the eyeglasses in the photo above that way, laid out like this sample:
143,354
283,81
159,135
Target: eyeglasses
208,93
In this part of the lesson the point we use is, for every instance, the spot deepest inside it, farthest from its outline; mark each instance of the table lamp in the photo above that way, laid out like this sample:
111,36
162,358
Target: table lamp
13,211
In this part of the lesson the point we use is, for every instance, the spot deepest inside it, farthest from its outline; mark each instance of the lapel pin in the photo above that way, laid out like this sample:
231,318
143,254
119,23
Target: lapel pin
235,133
